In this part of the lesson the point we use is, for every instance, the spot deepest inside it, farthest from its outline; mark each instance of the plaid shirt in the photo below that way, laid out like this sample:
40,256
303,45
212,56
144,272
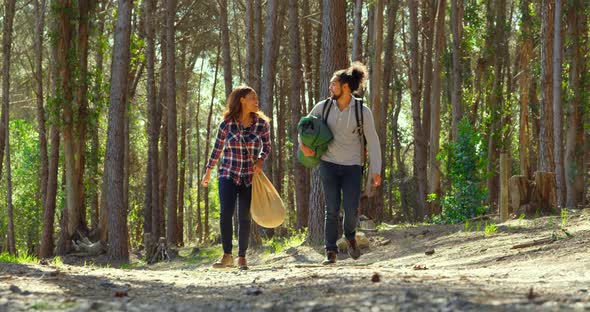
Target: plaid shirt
235,142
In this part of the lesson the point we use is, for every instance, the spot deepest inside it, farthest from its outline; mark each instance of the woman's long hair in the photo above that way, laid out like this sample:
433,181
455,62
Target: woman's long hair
234,105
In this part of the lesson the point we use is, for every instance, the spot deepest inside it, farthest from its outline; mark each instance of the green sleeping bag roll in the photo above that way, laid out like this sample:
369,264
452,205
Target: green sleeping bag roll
316,134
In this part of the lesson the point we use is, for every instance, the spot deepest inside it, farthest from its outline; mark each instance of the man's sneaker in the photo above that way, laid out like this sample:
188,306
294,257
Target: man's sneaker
330,258
242,263
353,249
226,261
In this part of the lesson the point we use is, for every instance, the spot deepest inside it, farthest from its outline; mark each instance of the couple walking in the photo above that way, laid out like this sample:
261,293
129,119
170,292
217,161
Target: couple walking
243,144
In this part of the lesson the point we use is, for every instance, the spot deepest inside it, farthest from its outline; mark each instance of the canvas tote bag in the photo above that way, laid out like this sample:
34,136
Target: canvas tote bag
267,208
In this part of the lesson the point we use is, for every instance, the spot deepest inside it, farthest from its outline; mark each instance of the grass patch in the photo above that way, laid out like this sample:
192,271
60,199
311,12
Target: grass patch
7,258
278,244
206,255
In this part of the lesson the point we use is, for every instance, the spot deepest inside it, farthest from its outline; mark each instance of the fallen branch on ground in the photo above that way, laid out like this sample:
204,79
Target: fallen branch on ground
546,240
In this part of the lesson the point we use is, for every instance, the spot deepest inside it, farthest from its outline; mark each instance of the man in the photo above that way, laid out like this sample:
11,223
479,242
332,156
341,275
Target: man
341,166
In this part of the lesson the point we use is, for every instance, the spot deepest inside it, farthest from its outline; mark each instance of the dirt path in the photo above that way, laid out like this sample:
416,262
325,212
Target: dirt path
468,271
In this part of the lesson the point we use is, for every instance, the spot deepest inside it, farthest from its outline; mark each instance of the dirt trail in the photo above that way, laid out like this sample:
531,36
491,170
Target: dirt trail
467,271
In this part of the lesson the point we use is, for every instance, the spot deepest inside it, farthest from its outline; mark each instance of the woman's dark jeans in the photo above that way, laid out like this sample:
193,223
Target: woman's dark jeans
341,184
229,192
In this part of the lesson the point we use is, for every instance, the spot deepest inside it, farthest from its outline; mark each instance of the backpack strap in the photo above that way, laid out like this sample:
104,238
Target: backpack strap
326,109
358,114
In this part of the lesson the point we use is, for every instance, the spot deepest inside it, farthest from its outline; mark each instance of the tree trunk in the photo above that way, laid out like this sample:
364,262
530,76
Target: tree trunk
271,39
525,54
8,19
419,141
257,72
546,135
94,187
250,42
428,19
504,204
43,168
172,181
9,213
163,107
376,206
198,139
435,98
227,75
574,155
6,47
46,247
151,185
357,40
183,126
334,57
118,249
71,215
295,87
308,63
456,30
85,8
558,108
208,139
495,103
544,197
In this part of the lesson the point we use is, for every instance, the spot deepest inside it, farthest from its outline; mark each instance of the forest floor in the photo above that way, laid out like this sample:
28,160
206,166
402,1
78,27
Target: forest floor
469,270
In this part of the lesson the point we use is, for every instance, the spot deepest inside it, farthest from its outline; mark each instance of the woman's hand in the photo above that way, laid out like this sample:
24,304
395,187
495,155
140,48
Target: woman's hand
307,151
206,177
258,165
376,179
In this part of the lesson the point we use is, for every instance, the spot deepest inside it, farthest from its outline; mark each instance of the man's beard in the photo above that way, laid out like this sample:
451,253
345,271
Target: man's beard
336,97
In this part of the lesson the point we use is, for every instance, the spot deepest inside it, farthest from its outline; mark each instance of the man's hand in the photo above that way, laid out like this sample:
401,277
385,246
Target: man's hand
376,179
307,151
258,165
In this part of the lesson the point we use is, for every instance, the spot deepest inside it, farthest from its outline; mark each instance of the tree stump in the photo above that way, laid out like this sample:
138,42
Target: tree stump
544,192
161,253
520,192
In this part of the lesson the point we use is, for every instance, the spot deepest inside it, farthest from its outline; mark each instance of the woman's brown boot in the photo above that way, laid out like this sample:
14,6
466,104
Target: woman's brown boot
226,261
242,263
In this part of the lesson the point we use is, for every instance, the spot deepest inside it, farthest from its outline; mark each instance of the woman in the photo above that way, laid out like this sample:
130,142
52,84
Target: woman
243,142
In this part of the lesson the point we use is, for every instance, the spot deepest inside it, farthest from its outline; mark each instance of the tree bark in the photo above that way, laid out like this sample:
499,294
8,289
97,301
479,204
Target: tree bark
208,139
295,88
94,187
419,141
456,30
525,54
574,155
435,98
250,42
558,108
308,62
172,172
546,135
376,206
118,249
256,81
71,215
227,75
151,185
9,11
41,128
357,40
